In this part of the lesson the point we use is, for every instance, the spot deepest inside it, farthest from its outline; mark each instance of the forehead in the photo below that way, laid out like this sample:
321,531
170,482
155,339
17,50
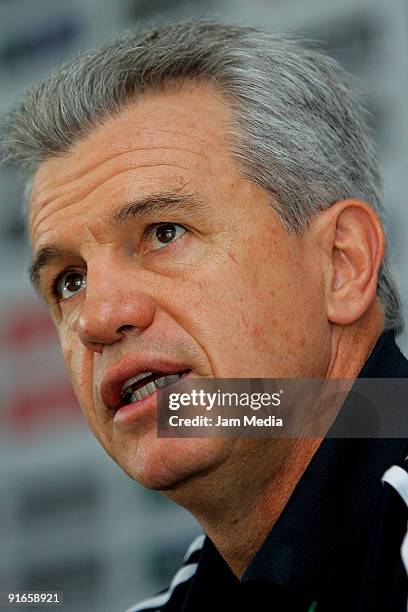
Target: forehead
180,130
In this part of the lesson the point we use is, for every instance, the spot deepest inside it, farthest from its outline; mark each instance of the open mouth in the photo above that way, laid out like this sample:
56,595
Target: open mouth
147,383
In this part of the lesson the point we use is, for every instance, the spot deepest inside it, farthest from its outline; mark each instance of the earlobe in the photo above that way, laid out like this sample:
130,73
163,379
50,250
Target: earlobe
358,246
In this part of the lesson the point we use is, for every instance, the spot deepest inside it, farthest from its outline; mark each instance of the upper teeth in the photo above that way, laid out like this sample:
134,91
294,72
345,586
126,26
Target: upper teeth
149,388
135,379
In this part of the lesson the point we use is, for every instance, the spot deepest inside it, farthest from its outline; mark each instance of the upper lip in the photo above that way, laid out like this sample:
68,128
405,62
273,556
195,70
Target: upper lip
117,375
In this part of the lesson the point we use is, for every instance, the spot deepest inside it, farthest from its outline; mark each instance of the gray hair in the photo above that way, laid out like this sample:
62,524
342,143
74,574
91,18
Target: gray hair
300,132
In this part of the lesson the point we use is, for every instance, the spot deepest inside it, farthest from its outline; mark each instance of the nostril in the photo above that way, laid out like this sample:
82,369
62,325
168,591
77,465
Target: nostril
125,328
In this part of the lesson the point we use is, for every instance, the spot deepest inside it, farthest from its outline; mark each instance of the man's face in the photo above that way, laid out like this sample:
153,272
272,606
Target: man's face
168,260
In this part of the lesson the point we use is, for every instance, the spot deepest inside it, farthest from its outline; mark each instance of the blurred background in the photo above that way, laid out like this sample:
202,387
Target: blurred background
69,518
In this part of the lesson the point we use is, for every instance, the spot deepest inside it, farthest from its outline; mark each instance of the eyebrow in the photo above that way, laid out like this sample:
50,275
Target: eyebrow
45,256
165,202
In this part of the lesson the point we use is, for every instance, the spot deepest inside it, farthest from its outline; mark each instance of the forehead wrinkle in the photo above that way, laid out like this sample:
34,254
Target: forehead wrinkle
44,214
195,128
99,165
70,183
44,201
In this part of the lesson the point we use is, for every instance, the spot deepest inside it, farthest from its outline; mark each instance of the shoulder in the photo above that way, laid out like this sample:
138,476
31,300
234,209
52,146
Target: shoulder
168,599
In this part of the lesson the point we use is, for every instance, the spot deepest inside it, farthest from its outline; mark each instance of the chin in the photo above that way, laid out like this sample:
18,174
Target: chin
166,464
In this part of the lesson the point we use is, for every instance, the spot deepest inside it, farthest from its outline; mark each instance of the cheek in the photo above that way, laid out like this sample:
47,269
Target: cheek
264,313
294,318
78,361
221,311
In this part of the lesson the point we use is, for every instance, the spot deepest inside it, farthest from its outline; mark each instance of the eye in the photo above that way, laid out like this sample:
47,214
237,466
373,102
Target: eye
68,284
162,234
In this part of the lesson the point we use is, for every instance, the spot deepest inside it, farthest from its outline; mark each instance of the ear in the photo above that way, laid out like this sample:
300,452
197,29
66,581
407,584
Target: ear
353,238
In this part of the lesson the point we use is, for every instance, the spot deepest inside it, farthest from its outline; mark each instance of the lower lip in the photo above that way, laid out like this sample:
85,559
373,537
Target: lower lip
128,415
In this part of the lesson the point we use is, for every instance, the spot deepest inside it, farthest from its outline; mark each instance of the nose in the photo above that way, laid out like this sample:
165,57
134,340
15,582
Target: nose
111,308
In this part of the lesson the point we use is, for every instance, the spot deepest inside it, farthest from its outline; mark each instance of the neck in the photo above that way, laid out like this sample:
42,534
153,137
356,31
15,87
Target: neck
238,505
246,522
352,345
